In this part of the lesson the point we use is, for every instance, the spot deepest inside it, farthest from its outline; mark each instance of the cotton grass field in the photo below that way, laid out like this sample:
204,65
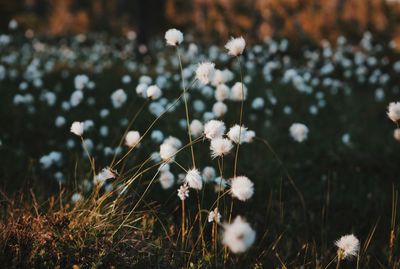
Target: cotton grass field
185,154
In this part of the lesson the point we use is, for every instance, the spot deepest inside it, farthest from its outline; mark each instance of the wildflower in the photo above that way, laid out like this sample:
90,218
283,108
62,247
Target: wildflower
173,37
76,198
205,72
196,128
237,134
132,138
214,129
105,173
118,98
396,134
183,192
249,136
214,216
299,132
348,246
242,188
238,235
220,147
166,179
173,141
235,46
394,111
238,92
153,92
219,109
222,92
77,128
167,152
193,178
208,174
220,184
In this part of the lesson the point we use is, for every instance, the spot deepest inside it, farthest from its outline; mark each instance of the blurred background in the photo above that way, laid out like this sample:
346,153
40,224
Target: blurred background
209,20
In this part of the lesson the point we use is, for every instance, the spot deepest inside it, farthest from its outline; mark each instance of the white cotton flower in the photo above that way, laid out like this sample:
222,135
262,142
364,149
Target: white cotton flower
242,188
299,132
394,111
167,152
348,246
237,134
164,167
238,92
118,98
193,178
235,46
183,192
141,89
222,92
214,216
208,174
220,184
205,72
196,128
60,121
77,128
175,142
396,134
258,103
219,109
157,136
238,235
154,92
220,147
105,173
214,129
249,136
166,179
219,77
76,198
76,98
173,37
132,138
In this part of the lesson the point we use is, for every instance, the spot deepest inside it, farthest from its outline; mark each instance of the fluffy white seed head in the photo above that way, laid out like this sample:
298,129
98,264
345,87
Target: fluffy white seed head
205,72
214,129
167,152
242,188
237,134
299,132
173,37
193,179
166,179
183,192
394,111
173,141
76,198
249,136
238,92
219,109
238,235
235,46
222,92
208,174
214,216
348,246
220,147
132,138
396,134
103,175
196,128
153,92
118,98
77,128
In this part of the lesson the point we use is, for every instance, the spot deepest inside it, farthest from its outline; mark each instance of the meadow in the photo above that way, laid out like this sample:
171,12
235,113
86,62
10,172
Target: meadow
191,155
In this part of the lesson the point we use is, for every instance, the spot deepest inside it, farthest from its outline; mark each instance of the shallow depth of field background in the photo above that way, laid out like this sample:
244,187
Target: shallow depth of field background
346,170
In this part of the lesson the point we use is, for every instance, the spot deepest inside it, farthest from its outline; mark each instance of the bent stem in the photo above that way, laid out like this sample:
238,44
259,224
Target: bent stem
183,222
